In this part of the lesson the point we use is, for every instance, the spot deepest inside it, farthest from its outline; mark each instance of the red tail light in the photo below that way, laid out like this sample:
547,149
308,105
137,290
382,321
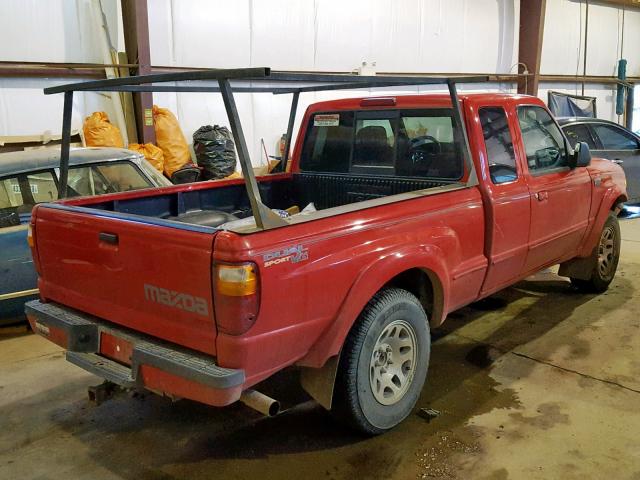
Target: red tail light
236,296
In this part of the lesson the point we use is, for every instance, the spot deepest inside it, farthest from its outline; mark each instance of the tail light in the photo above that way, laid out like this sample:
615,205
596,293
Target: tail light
236,296
30,239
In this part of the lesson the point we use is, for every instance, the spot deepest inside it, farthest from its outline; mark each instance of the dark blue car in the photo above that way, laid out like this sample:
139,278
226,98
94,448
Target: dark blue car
31,177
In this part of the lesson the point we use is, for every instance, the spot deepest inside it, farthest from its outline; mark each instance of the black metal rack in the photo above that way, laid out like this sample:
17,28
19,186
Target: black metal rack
251,80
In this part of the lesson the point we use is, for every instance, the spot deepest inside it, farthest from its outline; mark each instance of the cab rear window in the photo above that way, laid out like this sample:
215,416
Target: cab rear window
408,143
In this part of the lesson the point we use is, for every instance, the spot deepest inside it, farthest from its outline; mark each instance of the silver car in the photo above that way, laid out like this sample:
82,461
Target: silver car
30,177
608,140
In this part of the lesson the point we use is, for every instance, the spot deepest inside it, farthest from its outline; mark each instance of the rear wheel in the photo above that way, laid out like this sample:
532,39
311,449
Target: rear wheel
383,364
605,259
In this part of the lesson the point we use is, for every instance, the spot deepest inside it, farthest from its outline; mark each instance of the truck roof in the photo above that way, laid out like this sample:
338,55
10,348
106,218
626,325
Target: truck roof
413,101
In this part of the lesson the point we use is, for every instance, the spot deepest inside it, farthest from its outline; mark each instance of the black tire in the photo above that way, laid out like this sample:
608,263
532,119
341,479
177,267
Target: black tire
354,401
605,259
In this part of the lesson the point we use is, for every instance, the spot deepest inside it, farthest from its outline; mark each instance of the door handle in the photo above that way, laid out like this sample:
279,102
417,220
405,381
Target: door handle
617,161
542,196
110,238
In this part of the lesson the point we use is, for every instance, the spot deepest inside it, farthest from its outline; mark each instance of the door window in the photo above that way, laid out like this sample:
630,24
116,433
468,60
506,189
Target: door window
579,133
499,146
25,190
543,141
615,138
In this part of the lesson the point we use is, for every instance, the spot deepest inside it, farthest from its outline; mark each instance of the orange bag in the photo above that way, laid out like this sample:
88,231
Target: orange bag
152,153
100,132
170,139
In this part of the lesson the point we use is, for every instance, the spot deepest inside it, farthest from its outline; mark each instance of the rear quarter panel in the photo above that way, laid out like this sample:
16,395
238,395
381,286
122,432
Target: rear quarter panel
308,306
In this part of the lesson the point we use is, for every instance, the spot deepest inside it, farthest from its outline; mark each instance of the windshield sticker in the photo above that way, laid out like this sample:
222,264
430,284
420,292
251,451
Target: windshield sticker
290,254
326,120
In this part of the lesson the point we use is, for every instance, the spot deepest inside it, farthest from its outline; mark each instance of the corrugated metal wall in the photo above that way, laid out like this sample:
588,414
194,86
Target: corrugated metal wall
449,36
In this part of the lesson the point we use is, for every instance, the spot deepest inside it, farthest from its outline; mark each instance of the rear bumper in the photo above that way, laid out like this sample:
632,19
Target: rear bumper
134,360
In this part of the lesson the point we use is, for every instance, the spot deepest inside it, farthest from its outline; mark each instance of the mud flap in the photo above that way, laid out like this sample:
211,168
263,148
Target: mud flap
579,268
319,382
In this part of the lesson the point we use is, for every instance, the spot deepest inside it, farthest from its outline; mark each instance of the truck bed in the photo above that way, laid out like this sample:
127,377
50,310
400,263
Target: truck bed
210,207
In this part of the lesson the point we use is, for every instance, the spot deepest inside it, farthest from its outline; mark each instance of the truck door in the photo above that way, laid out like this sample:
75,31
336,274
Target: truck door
507,204
560,196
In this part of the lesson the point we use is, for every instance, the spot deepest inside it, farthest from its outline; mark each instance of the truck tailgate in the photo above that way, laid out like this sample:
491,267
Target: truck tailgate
150,278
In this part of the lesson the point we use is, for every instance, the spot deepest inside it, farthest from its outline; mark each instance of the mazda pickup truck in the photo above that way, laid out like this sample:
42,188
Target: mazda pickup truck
394,212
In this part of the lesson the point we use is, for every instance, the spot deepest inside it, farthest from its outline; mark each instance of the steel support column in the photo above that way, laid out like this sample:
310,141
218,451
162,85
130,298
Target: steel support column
135,19
530,46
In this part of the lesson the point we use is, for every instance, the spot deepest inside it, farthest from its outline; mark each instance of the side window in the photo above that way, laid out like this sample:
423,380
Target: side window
579,133
543,141
614,138
43,187
27,189
10,193
327,146
86,181
122,176
499,146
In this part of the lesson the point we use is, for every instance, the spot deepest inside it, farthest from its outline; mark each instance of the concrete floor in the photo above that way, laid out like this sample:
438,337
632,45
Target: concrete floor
562,400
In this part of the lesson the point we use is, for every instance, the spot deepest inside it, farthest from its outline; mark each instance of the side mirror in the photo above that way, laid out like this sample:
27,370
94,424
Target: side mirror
581,155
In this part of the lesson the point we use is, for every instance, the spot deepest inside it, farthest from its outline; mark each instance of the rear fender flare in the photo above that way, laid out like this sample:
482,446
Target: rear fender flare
428,258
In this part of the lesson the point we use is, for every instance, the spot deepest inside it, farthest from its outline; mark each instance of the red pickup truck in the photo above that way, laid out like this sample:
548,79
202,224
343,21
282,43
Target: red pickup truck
179,291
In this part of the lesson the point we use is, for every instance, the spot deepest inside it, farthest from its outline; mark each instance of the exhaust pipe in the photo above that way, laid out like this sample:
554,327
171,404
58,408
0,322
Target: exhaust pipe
260,402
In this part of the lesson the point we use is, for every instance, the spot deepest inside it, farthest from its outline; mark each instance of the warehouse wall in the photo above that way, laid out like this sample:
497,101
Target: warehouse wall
327,36
613,33
50,31
448,36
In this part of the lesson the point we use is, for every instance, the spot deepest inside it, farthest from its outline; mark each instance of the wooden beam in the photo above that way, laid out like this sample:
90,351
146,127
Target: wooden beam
530,44
135,20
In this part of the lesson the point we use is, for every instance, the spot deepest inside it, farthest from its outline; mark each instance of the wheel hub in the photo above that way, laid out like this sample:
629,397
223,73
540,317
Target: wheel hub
393,362
606,252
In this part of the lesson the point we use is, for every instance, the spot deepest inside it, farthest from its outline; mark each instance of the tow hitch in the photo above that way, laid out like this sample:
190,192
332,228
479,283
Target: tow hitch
99,394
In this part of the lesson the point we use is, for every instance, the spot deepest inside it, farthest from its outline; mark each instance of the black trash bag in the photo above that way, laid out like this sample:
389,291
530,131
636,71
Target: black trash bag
215,151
